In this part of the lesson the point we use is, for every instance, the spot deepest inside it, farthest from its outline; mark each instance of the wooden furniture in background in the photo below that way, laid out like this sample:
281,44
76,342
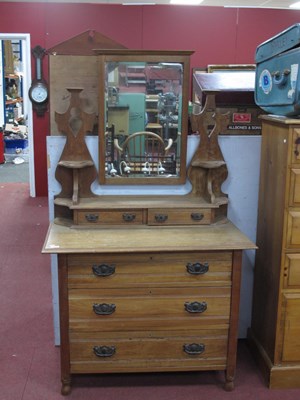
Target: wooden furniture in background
135,74
152,111
119,117
275,329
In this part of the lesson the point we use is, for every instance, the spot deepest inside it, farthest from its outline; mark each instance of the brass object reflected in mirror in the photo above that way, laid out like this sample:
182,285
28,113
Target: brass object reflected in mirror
143,117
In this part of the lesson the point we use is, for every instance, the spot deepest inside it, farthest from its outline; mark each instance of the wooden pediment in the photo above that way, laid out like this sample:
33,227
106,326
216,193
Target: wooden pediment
84,44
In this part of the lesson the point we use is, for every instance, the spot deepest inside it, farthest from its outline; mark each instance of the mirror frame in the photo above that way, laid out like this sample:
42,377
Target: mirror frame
152,56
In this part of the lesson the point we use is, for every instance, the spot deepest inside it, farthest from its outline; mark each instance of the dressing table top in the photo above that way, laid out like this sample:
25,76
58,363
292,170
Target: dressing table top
61,239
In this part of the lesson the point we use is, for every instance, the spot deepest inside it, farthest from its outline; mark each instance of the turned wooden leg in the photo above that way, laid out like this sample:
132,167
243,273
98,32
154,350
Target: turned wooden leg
229,382
66,386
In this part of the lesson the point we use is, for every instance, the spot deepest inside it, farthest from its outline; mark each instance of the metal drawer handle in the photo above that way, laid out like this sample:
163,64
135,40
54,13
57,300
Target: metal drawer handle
194,349
128,217
195,307
104,351
103,269
197,216
92,217
197,268
161,217
104,308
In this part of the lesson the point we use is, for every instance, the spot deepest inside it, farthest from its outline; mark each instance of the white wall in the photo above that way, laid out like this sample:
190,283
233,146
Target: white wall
242,155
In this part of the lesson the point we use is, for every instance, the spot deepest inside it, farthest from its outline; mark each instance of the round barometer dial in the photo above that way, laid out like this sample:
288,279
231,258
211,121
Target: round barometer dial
39,92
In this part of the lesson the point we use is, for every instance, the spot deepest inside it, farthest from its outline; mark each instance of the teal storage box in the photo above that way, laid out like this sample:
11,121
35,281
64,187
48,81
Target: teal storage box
277,80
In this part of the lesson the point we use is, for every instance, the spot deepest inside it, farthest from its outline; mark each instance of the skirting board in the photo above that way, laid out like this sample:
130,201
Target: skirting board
277,376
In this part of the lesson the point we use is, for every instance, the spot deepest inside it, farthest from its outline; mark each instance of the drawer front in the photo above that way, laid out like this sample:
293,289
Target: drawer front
163,269
154,308
132,353
293,229
108,217
179,216
295,148
294,195
292,271
291,343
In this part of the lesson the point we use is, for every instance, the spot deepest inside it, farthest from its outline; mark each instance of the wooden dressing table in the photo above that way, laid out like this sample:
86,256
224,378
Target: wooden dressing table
146,283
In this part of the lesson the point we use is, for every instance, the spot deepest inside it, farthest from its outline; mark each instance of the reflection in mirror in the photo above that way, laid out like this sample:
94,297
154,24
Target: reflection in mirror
143,114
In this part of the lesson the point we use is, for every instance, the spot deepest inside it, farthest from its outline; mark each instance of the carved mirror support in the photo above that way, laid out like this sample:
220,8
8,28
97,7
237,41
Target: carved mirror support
75,170
208,169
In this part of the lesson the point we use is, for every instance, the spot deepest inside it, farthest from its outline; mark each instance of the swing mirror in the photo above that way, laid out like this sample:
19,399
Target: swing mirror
143,117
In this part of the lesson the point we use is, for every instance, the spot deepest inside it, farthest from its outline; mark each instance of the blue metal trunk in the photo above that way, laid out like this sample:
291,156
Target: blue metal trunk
277,80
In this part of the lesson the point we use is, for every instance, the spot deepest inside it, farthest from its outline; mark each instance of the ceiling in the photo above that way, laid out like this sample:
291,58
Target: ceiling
283,4
220,3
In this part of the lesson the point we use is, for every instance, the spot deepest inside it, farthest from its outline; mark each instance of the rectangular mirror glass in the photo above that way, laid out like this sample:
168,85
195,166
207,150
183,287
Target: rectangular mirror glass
143,118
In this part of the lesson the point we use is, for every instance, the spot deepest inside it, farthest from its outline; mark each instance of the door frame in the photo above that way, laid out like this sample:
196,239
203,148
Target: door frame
26,63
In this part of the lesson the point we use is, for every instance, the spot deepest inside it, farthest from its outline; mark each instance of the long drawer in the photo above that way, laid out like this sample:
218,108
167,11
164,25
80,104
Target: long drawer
163,269
154,308
149,351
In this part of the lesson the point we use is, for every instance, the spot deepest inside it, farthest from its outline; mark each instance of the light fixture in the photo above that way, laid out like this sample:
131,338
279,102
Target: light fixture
142,3
186,2
295,5
237,6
